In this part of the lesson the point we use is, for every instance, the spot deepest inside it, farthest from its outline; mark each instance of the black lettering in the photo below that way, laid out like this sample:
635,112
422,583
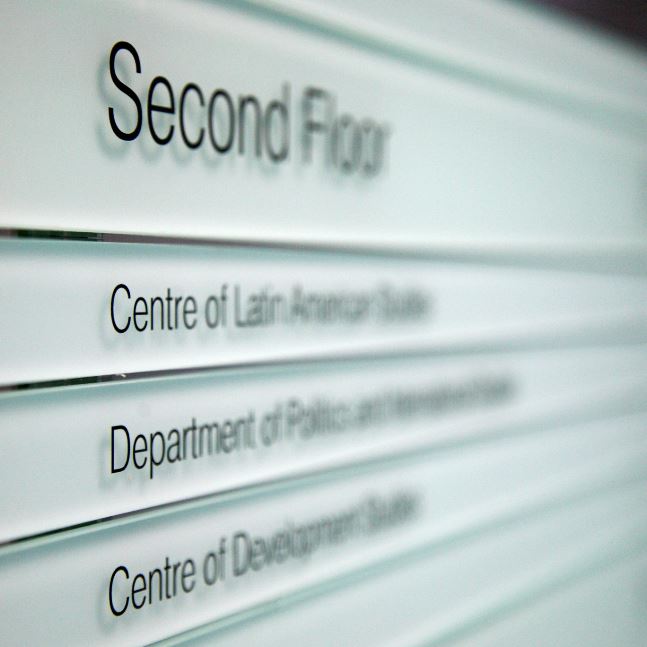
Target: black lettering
312,125
126,90
139,440
137,312
189,310
153,461
151,588
139,586
116,612
347,156
231,121
188,88
281,108
242,554
156,107
160,302
115,470
123,287
372,147
187,576
243,102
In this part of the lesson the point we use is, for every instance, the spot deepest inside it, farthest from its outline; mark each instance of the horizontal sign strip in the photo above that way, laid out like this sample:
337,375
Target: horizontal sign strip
146,581
204,120
477,590
77,309
109,450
